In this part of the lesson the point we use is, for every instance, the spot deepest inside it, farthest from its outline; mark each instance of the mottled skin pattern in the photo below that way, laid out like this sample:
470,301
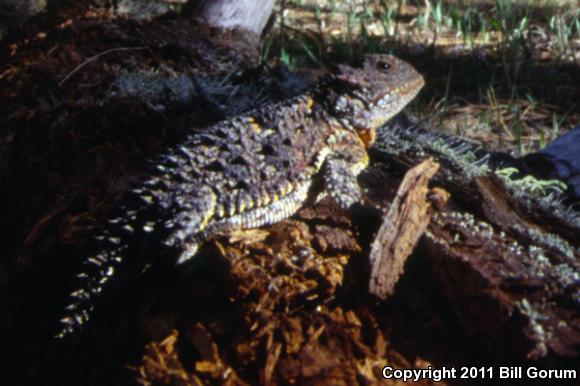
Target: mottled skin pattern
252,170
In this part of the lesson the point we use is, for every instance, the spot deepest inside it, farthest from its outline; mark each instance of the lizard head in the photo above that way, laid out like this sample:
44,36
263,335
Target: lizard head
373,90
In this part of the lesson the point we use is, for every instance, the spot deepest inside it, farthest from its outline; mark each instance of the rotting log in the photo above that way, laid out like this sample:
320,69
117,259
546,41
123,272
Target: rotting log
507,261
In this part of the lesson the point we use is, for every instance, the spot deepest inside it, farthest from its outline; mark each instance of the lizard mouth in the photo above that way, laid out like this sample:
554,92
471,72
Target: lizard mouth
368,137
385,108
414,87
405,92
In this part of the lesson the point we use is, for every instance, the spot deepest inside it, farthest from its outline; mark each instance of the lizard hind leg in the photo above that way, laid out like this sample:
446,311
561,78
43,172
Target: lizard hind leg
194,212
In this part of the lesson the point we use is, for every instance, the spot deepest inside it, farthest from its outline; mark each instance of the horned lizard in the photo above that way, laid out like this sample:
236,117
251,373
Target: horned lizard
252,170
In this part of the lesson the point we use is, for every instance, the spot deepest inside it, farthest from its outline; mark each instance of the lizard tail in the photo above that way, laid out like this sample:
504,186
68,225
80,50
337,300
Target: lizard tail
94,279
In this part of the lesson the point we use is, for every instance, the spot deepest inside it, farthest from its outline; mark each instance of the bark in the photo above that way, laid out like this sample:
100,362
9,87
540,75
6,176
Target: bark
403,225
245,14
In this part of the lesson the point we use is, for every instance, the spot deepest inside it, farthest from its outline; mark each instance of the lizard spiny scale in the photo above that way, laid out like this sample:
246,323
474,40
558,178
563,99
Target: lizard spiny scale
252,170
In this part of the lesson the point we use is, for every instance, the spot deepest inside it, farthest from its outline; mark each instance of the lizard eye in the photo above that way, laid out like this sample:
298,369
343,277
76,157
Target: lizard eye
383,66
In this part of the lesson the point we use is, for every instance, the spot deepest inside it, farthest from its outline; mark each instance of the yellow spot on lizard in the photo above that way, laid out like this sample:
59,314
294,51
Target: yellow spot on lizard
256,128
309,103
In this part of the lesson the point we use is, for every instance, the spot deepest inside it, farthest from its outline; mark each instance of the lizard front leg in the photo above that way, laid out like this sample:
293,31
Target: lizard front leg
341,168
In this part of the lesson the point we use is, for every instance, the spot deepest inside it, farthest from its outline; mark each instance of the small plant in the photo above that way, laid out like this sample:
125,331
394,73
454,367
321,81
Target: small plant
565,27
388,22
530,184
332,5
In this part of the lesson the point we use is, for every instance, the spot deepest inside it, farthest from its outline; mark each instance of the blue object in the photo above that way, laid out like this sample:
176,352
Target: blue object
561,160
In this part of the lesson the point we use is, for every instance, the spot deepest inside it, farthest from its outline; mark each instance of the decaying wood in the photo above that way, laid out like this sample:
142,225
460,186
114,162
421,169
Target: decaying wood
403,225
504,265
501,208
521,300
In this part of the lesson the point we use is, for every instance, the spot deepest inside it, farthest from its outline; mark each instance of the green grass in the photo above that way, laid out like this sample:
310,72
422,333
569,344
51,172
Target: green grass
502,42
499,24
